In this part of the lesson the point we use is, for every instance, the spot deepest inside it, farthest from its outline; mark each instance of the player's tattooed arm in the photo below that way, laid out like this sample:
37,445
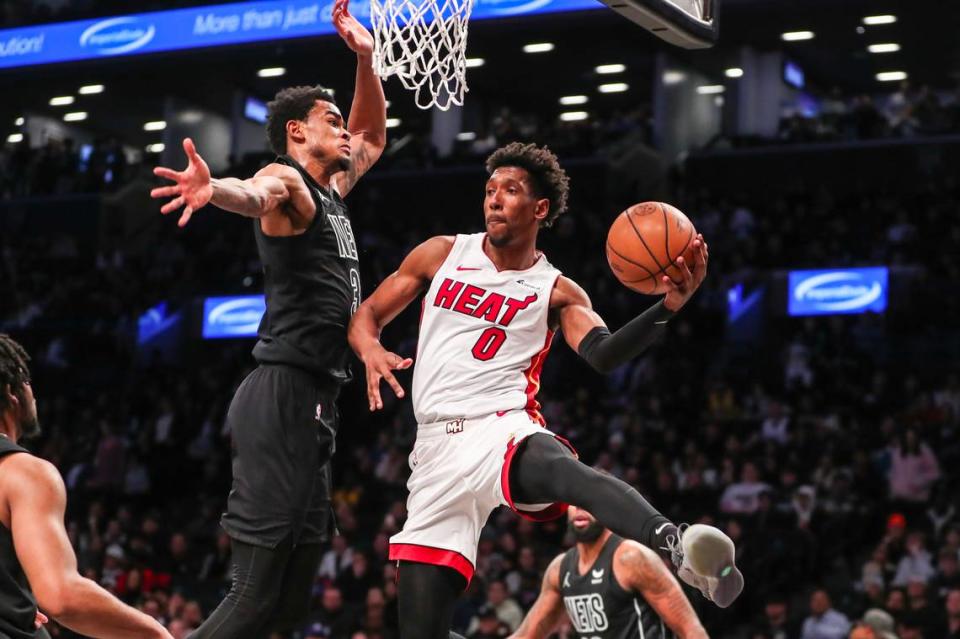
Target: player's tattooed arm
368,114
275,189
392,296
639,569
547,610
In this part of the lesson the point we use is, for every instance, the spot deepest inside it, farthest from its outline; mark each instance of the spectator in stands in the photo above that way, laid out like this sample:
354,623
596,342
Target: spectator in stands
824,622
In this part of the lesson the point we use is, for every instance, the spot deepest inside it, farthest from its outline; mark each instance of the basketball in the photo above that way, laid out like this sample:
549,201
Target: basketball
644,243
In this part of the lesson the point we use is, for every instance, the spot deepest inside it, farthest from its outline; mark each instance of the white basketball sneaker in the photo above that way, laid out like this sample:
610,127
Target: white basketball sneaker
704,558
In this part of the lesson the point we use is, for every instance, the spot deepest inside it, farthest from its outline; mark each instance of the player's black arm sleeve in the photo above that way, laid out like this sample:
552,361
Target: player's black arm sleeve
605,352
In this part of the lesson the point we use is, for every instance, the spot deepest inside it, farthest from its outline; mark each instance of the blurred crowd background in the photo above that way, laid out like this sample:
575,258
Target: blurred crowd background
825,446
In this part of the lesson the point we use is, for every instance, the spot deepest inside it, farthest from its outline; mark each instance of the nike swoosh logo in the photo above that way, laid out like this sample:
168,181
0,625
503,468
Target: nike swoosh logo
660,529
501,413
468,268
663,322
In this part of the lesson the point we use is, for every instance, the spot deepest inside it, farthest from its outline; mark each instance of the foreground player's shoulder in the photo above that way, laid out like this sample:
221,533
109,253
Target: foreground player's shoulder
551,578
566,292
425,260
636,567
30,478
284,172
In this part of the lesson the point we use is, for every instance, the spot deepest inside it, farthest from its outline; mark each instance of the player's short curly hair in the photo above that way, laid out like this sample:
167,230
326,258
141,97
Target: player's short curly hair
14,372
292,103
550,181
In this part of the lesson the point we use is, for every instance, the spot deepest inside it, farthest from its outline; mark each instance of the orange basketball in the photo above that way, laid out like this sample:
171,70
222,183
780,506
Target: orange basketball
644,243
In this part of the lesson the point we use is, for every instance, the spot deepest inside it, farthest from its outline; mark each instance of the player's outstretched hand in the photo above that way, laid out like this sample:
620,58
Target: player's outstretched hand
692,276
380,365
192,187
353,33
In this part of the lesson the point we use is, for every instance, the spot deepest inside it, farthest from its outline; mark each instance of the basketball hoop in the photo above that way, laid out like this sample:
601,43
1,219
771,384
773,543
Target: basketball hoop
423,43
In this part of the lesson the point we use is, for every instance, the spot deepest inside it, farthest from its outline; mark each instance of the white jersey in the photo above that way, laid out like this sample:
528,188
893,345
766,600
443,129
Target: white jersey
484,335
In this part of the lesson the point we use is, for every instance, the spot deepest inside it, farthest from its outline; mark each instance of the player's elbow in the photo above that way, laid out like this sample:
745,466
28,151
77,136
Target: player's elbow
58,596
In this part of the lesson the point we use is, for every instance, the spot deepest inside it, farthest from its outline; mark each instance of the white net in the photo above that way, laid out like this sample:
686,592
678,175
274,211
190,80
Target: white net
423,43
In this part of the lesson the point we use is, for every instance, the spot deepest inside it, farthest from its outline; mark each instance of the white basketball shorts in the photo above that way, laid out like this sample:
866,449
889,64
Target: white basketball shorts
460,475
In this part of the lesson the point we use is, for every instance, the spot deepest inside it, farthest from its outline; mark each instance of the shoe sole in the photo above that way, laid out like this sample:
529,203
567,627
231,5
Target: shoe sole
710,553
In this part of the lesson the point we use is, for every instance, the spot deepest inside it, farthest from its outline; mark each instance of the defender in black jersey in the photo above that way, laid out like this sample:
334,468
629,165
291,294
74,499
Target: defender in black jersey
283,417
37,564
610,588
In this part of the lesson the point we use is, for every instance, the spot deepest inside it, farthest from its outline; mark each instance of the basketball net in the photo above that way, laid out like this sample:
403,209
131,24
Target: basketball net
423,43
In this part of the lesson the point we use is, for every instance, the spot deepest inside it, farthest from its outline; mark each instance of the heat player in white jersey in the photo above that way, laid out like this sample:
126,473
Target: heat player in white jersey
491,307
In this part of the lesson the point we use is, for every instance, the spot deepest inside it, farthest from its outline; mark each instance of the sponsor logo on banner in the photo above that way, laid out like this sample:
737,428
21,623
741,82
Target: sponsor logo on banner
118,35
510,7
16,46
232,316
841,291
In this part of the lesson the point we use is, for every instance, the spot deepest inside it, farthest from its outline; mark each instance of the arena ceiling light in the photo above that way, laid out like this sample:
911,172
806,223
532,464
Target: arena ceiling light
886,47
613,87
393,123
796,36
62,100
91,89
75,116
607,69
570,100
155,125
538,47
574,116
733,72
473,63
710,89
891,76
13,138
155,148
882,19
673,77
19,121
271,72
466,136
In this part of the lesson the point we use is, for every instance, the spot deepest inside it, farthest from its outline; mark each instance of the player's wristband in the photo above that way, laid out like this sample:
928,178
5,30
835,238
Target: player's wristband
605,352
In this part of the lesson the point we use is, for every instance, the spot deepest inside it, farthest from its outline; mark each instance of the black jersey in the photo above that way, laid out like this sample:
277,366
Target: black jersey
18,607
599,607
311,283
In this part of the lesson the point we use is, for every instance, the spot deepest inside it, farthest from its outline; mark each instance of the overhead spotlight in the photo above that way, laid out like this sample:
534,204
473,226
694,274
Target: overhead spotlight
466,136
538,47
733,72
796,36
570,100
860,30
891,76
62,100
574,116
614,87
75,116
91,89
155,148
881,19
156,125
19,121
13,138
606,69
271,72
710,89
887,47
393,123
673,77
475,62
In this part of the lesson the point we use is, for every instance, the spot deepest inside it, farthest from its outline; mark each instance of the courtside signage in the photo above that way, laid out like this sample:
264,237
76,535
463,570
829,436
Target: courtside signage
232,316
837,291
212,26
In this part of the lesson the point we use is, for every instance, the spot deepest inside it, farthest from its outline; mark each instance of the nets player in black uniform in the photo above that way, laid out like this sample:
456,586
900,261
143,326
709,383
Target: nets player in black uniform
283,418
37,564
610,588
